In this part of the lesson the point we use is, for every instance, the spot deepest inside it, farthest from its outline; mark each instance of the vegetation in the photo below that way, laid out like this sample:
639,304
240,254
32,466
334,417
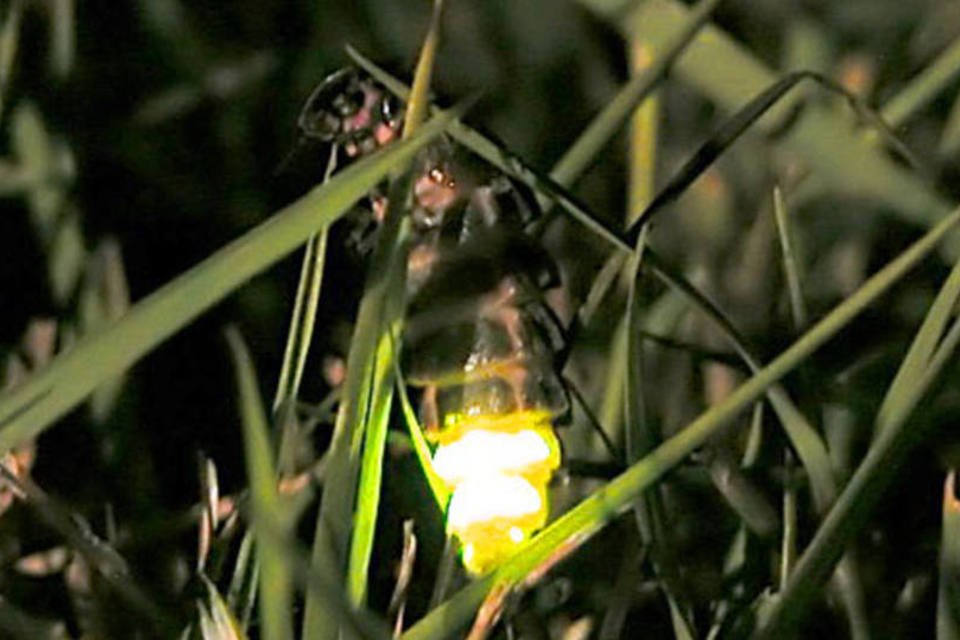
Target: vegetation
753,210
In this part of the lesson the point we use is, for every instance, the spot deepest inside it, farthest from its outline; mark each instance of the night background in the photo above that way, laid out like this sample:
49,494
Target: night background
137,138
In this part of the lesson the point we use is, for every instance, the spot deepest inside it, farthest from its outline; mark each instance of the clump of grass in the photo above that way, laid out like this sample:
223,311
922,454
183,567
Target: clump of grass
688,358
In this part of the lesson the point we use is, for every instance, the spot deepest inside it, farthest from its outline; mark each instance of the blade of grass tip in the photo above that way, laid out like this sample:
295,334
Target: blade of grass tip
586,149
596,510
788,541
855,504
303,317
276,586
948,592
641,440
62,36
421,449
791,268
216,617
375,432
921,90
921,349
51,392
9,39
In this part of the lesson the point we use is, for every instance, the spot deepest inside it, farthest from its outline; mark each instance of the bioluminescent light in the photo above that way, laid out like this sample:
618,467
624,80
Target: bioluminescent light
497,469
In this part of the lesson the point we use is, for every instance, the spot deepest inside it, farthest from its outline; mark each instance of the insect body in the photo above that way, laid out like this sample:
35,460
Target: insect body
479,340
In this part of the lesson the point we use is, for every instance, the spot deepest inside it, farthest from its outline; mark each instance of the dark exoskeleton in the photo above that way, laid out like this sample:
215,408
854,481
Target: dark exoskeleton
479,337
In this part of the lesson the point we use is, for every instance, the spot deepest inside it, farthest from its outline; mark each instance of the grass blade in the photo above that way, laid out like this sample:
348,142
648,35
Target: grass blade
730,76
791,268
70,378
935,77
347,520
948,596
744,118
375,430
853,507
921,350
618,112
420,446
276,586
597,509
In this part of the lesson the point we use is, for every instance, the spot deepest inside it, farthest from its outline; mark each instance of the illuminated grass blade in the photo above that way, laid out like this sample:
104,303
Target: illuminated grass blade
347,520
71,377
854,505
276,586
596,510
377,423
420,446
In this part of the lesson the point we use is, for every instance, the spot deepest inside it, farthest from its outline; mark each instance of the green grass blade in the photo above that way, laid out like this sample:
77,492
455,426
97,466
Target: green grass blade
302,319
420,447
935,77
598,508
9,40
791,268
71,377
948,594
921,350
859,497
389,325
63,41
216,620
276,586
588,145
730,76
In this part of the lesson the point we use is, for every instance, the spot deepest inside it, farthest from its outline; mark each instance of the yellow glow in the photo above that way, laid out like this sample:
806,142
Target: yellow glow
497,468
484,451
482,498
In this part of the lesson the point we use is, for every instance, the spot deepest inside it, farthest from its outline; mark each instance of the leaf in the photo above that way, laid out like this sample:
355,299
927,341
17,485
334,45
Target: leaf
276,586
